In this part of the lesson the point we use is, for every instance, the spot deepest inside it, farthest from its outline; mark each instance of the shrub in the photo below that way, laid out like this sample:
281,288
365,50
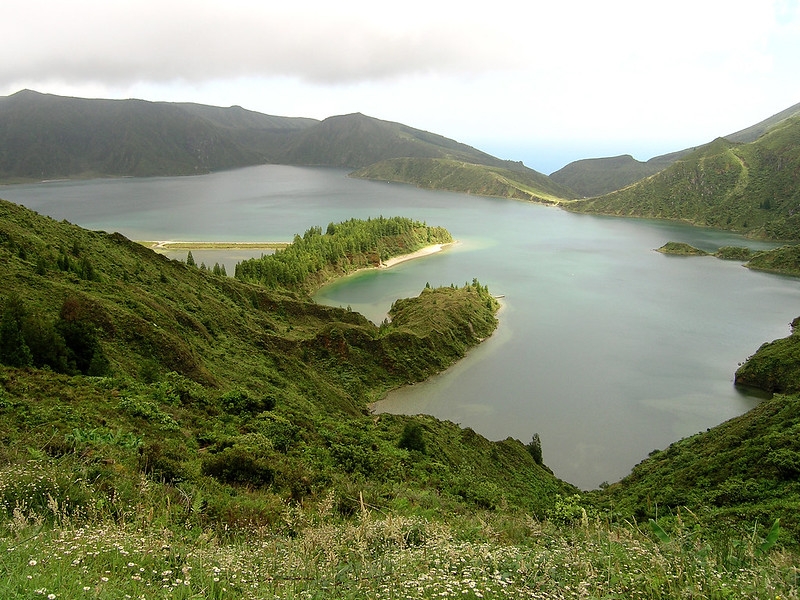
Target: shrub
239,464
411,438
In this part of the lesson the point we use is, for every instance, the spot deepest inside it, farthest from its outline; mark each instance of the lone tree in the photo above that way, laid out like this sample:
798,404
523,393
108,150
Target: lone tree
535,449
411,438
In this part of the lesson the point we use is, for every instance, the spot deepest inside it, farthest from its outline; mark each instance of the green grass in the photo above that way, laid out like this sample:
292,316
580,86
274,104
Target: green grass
226,450
380,555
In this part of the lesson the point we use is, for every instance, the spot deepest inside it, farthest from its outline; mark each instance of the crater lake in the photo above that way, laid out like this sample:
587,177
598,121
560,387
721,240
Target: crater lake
605,348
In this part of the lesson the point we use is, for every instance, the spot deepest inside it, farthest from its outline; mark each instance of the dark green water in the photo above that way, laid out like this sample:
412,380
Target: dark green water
606,348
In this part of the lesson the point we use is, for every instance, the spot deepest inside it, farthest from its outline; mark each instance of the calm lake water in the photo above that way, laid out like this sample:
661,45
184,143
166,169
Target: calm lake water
605,348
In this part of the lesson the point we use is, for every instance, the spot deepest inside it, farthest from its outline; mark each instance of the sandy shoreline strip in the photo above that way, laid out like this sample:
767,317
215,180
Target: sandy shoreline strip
426,251
173,245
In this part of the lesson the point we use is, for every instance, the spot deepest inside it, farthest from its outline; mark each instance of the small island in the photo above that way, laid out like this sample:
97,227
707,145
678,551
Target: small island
783,261
681,249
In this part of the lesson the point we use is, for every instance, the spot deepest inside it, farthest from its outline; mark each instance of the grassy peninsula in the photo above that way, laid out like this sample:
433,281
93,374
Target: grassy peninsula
171,433
503,181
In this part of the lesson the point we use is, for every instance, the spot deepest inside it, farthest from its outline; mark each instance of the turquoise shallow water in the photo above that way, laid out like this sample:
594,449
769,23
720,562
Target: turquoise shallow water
606,348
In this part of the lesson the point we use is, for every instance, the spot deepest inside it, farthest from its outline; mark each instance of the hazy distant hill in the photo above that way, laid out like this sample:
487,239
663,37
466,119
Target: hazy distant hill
597,176
357,140
45,137
753,188
48,137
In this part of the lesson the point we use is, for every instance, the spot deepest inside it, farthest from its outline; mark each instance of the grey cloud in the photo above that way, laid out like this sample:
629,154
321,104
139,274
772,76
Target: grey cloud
119,46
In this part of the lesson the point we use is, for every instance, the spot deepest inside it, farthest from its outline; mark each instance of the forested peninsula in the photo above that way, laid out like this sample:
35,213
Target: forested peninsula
315,258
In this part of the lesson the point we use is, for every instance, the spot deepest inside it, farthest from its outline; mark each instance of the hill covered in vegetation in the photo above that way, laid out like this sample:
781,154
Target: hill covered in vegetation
356,140
591,177
511,180
599,176
751,188
43,136
168,432
49,137
221,380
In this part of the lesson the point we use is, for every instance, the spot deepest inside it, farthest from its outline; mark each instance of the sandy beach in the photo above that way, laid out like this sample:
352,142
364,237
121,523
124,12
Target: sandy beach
173,245
426,251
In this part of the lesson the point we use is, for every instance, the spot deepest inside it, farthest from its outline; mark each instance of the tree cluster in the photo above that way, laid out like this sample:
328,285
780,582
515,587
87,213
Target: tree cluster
67,344
353,242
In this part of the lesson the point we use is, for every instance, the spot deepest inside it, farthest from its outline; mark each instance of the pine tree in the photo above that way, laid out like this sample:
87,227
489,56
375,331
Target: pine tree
14,352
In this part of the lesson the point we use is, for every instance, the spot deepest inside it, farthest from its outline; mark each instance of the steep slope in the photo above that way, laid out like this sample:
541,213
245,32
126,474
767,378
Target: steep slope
518,182
598,176
752,188
752,133
357,140
144,367
47,137
775,367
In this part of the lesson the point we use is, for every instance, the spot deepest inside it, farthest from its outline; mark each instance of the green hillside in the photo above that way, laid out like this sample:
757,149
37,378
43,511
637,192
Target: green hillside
751,188
356,140
597,176
519,182
784,260
223,382
49,137
168,432
775,367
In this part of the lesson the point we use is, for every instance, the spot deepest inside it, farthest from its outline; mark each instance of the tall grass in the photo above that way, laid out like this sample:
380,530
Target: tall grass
155,549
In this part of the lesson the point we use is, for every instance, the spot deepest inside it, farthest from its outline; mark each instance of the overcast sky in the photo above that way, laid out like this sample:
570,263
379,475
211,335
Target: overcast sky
542,82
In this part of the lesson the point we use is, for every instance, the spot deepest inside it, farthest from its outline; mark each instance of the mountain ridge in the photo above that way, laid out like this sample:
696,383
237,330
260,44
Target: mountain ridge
44,136
591,177
752,188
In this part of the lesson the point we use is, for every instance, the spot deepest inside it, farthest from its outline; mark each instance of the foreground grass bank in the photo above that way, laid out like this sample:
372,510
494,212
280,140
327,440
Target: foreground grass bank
169,433
378,555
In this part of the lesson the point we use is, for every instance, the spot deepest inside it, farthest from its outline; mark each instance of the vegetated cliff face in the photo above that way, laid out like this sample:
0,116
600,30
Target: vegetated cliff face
753,188
775,367
229,383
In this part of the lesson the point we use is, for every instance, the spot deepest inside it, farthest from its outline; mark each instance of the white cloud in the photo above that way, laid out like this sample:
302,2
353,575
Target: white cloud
683,71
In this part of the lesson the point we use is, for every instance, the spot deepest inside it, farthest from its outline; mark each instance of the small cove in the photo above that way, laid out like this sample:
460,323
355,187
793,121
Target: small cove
605,348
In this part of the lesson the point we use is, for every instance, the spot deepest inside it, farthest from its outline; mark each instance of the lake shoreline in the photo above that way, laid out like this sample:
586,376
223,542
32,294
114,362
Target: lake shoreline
388,264
174,245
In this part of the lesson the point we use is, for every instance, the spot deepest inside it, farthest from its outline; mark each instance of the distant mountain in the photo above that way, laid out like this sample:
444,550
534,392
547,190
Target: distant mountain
45,137
49,137
753,188
356,140
597,176
510,181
